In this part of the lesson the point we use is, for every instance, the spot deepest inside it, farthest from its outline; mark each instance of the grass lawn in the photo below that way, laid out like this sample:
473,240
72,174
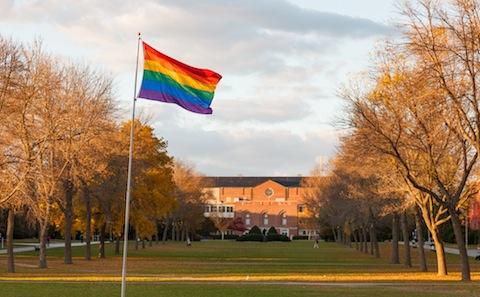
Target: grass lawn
222,290
229,268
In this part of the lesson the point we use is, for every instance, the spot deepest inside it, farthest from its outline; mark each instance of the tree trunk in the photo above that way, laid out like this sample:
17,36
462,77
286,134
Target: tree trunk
68,216
10,256
355,238
406,241
42,256
173,230
184,233
373,239
432,227
372,246
178,232
365,243
457,230
165,232
150,242
360,239
334,234
395,258
420,242
136,239
348,235
101,250
441,260
88,224
117,245
143,243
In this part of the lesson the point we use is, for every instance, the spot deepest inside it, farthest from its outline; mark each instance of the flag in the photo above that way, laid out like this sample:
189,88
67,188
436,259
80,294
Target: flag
168,80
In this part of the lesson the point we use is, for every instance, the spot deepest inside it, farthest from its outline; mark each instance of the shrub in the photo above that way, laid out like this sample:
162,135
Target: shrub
226,236
255,230
300,237
277,237
251,237
272,231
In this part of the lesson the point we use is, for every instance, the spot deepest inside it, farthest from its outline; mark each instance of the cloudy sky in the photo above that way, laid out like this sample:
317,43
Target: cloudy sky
282,62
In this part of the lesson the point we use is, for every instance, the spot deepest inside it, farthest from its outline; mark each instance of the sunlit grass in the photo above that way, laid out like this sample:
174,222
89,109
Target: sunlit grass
345,277
240,269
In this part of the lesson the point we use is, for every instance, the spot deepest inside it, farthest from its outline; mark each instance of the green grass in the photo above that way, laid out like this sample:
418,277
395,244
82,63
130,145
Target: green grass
209,290
161,270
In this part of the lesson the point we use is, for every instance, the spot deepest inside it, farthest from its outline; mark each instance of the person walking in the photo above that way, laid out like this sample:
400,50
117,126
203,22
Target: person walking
316,239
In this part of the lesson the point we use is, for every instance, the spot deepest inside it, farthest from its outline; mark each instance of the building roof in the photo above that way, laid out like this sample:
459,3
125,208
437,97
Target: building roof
251,181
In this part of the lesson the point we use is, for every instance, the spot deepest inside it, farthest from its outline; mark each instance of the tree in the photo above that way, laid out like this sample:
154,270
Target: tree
89,98
221,223
238,225
190,199
399,120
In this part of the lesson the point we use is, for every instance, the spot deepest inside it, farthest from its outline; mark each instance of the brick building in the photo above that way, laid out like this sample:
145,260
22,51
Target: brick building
261,201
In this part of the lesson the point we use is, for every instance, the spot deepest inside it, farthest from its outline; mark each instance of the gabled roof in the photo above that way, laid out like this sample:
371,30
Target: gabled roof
251,181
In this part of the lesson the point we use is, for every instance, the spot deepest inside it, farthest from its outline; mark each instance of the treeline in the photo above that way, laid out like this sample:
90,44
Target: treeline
63,157
413,135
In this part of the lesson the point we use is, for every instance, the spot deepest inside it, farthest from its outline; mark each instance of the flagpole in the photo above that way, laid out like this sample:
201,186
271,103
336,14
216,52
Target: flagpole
129,178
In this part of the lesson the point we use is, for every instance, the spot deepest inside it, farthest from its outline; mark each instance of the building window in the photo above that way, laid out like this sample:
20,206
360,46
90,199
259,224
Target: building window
221,209
269,192
301,208
284,219
214,208
265,219
247,219
207,208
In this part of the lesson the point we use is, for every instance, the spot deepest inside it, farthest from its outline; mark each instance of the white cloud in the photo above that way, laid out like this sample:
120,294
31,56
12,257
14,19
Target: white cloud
280,64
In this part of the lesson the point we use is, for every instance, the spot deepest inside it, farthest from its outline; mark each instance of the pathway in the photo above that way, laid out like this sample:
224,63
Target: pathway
29,247
471,252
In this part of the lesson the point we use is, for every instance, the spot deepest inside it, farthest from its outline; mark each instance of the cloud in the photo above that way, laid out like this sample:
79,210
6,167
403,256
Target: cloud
280,63
232,36
250,152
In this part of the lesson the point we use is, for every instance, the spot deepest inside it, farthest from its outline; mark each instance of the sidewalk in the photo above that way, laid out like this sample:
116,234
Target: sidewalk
471,252
29,247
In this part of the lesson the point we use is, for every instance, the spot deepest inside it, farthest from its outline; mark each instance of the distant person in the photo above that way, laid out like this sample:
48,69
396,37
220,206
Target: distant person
189,242
316,239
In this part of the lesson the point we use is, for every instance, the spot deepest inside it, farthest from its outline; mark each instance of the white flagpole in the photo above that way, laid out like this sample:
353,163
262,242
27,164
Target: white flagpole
129,179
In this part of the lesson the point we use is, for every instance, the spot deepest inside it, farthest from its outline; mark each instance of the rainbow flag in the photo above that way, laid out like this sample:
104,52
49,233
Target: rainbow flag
168,80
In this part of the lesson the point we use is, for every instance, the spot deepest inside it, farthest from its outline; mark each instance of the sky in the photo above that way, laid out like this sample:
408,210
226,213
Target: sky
276,109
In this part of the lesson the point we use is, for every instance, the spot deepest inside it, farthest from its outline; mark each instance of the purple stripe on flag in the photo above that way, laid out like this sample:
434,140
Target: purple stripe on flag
159,96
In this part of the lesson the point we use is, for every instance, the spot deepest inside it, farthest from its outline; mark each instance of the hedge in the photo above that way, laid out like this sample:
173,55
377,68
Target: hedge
261,238
272,231
277,237
255,230
226,236
251,237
